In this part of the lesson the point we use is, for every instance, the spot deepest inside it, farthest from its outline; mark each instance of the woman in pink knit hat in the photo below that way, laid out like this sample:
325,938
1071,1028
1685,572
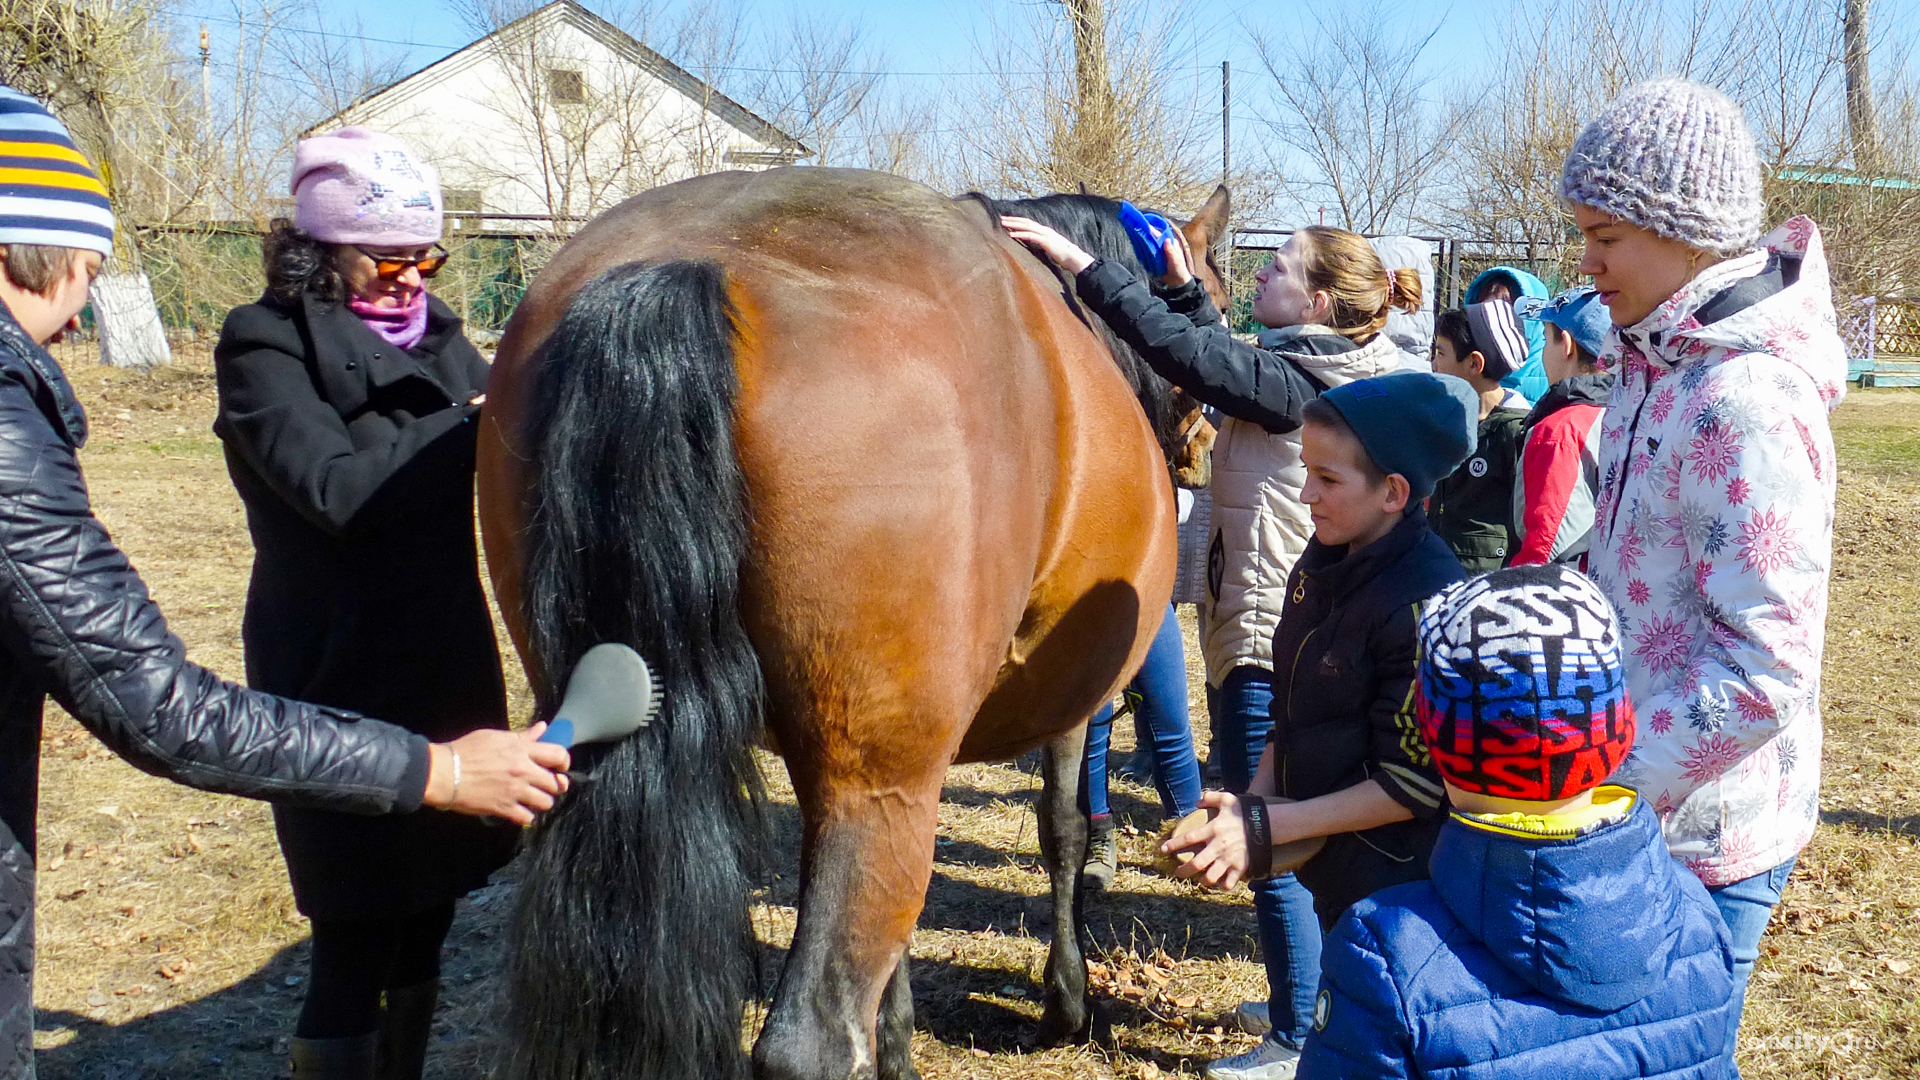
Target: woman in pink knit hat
348,398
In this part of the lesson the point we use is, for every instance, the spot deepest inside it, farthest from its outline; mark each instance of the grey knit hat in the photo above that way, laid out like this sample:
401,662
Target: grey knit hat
1673,157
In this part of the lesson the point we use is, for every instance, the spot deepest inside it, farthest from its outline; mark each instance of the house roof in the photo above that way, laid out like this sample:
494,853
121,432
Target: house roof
615,39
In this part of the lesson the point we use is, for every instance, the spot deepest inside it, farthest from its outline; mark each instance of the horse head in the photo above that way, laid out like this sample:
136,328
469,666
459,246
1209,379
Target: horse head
1093,222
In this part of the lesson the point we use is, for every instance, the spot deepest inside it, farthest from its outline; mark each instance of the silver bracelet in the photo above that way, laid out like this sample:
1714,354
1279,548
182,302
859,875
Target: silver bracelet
455,793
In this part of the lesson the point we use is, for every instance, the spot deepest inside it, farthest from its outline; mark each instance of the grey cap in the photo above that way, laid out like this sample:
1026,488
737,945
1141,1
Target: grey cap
1675,158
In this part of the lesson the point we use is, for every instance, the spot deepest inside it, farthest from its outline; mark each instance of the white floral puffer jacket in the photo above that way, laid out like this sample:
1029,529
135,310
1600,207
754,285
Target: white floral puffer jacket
1713,538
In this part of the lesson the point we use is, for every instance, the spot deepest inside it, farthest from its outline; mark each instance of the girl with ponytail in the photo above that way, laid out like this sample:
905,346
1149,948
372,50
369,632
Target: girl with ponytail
1324,299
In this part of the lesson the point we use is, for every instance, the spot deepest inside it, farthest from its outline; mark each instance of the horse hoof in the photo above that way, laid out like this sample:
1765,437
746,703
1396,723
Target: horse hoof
1061,1026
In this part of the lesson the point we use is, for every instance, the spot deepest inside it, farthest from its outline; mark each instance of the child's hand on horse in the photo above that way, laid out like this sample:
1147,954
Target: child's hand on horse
1055,248
493,773
1219,846
1179,272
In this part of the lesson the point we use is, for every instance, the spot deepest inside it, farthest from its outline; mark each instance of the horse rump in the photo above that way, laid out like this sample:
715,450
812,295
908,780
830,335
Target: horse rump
631,951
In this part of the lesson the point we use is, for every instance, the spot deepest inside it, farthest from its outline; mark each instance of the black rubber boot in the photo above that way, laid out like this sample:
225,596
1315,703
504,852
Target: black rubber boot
405,1029
348,1058
1103,859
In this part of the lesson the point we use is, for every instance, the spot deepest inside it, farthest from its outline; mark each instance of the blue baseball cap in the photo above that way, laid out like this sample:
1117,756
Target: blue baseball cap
1577,311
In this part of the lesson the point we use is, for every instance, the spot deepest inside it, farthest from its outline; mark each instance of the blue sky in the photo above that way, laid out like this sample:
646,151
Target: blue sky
931,43
935,36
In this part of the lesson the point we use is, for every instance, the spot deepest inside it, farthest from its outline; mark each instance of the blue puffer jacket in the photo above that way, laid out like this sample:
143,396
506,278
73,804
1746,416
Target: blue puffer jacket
1589,955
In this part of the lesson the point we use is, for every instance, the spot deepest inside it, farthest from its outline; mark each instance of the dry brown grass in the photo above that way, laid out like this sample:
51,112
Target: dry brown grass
169,946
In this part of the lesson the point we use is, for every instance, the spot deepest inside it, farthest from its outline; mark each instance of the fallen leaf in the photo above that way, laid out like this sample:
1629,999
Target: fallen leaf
1857,986
979,1053
1899,967
1186,1001
1149,1071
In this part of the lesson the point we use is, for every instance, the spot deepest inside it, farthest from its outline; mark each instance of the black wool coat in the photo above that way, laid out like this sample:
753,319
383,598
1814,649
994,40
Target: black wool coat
354,459
76,623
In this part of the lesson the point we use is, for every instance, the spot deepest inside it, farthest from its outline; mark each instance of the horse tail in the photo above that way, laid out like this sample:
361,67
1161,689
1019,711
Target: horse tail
632,951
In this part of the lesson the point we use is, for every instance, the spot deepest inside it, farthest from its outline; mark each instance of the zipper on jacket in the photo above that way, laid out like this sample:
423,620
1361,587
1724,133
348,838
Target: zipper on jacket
1633,432
1293,677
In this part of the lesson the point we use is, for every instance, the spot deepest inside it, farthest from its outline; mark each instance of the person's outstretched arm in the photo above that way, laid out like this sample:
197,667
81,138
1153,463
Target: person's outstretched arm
1203,358
76,618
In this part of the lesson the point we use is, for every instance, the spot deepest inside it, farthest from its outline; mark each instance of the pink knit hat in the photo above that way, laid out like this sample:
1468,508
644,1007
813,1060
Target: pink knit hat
360,186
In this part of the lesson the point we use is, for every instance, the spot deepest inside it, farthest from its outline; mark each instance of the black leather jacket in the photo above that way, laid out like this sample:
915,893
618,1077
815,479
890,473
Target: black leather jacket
76,623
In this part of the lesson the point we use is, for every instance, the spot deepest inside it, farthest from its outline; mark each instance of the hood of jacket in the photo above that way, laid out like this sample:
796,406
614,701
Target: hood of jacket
1568,914
1591,389
1530,378
1773,300
1330,357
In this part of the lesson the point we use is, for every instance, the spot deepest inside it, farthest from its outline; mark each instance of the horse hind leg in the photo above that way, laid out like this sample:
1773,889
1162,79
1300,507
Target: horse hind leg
843,1007
1063,849
893,1034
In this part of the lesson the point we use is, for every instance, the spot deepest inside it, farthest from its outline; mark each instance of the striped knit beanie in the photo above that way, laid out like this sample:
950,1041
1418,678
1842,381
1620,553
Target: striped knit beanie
1497,337
49,193
1521,691
1675,158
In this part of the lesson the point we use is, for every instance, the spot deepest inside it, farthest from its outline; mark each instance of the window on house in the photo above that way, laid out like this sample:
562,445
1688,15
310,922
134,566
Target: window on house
566,87
461,200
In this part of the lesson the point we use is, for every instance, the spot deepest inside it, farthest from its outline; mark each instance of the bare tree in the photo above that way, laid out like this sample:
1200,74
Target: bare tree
1783,60
1350,103
1094,95
820,82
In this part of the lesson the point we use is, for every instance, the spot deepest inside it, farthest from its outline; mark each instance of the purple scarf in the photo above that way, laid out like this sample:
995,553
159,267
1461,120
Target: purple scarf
401,327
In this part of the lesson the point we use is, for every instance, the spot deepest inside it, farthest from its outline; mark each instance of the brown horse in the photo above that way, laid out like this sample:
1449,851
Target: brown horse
839,459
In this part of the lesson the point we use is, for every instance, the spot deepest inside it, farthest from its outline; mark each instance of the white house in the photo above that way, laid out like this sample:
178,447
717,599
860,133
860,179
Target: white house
560,114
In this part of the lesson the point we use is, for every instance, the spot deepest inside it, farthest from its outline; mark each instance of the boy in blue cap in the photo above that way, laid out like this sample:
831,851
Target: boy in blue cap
1560,458
1345,746
1556,936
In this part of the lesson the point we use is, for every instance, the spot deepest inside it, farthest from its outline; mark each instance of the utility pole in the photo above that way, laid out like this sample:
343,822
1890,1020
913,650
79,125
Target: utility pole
1226,120
206,73
1860,124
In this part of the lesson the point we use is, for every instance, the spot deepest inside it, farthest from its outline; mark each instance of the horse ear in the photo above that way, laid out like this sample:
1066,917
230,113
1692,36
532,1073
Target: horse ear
1210,224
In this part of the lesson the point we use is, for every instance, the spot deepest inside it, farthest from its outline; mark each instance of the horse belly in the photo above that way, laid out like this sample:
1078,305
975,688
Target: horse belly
1103,585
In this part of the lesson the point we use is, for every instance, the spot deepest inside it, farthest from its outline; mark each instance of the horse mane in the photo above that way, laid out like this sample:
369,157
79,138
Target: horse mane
1093,222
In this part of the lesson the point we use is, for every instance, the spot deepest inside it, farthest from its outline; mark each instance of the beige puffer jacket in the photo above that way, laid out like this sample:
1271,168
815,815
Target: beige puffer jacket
1259,524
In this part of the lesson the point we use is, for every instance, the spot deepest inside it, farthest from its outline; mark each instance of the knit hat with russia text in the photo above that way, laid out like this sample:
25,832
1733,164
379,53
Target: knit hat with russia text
50,194
1521,693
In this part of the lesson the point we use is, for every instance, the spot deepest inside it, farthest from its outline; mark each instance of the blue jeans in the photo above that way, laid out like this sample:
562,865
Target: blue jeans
1159,697
1747,905
1240,712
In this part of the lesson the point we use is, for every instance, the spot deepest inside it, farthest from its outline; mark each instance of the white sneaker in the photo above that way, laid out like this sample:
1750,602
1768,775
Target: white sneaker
1268,1061
1251,1017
